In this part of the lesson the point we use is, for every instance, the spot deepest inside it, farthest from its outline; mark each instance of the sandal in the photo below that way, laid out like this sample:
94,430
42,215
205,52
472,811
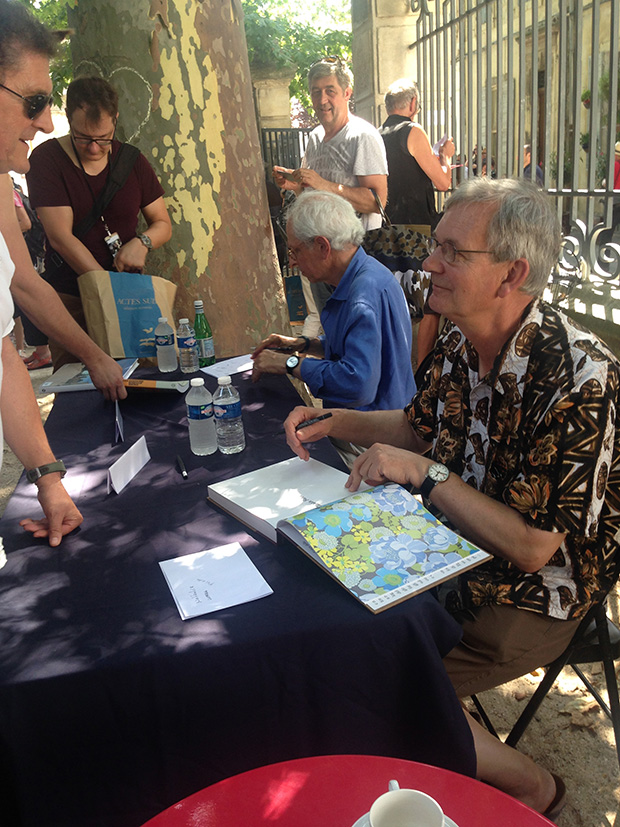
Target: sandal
559,801
36,362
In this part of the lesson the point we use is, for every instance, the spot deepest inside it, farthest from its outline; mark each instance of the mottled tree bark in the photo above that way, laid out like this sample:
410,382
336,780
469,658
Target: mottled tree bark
181,70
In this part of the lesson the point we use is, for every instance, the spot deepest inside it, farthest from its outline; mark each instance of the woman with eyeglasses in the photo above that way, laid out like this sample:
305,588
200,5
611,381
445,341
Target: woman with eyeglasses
67,183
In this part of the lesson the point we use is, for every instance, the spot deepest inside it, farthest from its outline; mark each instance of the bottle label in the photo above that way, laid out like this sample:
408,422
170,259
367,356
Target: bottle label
186,341
164,341
230,411
205,348
200,411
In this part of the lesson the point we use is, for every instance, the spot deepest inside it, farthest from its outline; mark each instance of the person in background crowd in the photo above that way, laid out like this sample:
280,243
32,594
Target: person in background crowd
345,155
527,166
25,86
414,174
34,236
67,176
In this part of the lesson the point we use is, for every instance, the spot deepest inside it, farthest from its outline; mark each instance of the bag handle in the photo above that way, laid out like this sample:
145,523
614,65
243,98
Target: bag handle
384,217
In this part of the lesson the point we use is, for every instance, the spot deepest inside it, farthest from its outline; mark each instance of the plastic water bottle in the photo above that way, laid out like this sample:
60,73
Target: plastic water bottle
164,342
228,422
188,349
199,402
204,336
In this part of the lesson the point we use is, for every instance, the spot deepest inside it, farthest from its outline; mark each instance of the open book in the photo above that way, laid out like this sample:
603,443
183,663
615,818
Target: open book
75,377
381,544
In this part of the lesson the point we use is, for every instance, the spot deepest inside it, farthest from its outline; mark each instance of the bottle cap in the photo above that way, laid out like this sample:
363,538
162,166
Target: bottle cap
197,382
198,303
183,321
223,380
163,320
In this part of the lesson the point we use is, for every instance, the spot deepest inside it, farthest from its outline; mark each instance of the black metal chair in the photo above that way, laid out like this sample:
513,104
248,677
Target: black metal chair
596,640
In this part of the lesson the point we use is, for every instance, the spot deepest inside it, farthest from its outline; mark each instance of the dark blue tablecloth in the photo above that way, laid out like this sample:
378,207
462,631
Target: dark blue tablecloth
112,708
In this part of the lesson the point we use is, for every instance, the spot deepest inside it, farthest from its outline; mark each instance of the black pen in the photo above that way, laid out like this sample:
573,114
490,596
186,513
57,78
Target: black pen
289,349
308,422
182,467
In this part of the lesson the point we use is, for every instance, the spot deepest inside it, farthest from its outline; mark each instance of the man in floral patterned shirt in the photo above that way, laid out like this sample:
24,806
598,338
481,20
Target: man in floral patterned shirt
512,437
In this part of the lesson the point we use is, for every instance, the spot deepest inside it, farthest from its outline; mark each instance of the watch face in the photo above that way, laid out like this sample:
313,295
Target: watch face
438,472
292,362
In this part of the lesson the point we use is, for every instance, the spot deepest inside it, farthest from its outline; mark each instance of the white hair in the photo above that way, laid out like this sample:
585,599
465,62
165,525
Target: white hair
316,213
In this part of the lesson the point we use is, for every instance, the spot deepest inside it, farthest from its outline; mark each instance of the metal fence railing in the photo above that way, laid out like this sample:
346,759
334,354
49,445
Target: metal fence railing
497,76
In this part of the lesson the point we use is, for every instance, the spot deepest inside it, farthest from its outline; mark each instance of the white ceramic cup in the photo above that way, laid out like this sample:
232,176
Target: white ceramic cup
405,808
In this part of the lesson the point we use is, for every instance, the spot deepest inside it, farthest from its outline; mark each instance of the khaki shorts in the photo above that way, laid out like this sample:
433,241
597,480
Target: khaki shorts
501,643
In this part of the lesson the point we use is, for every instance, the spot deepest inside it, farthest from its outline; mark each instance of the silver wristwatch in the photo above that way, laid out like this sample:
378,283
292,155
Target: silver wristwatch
145,240
436,473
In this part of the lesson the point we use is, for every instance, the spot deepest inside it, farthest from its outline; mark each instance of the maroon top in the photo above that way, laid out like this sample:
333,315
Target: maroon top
55,181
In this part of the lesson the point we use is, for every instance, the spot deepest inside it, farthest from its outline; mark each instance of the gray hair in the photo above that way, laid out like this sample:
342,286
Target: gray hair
524,224
325,68
20,33
400,94
316,213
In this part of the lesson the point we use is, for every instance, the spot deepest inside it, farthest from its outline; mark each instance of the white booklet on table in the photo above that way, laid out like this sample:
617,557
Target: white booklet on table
213,579
260,499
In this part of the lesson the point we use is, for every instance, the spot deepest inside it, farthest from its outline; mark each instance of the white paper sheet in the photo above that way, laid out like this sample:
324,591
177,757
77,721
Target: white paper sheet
213,579
238,364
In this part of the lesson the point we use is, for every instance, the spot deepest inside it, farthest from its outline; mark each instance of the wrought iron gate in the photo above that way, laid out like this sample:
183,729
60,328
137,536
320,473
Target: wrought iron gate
497,76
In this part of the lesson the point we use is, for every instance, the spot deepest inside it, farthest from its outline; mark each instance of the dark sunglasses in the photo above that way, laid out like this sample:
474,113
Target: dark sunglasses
34,104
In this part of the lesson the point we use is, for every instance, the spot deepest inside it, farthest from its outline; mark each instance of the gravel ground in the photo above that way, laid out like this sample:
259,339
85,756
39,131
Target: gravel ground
570,736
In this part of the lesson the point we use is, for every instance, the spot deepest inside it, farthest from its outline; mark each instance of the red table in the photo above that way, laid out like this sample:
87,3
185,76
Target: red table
336,790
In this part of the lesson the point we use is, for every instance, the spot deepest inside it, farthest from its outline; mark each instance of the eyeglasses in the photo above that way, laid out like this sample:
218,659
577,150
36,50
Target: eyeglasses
448,250
33,104
86,141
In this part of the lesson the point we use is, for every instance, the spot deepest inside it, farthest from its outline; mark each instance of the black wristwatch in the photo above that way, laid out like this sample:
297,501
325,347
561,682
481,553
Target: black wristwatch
145,240
291,364
436,473
35,474
306,346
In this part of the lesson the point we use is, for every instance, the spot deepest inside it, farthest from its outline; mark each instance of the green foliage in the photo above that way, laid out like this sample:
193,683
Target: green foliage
53,13
278,37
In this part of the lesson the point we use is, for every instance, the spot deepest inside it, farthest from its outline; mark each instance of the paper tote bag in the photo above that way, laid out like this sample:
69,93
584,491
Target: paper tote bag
122,310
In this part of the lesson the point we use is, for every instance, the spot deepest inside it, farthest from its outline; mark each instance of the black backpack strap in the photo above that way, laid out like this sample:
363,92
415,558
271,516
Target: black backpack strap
119,173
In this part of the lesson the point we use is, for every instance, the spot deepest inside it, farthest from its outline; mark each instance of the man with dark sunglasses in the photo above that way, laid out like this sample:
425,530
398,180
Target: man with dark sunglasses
25,98
25,86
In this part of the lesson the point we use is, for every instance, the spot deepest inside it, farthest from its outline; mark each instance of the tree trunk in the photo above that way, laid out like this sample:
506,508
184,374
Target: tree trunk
181,70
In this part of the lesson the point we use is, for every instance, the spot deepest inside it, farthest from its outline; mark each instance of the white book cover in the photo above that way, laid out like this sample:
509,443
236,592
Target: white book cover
262,498
213,579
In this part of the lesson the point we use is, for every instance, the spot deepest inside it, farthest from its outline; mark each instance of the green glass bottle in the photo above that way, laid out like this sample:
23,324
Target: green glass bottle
204,336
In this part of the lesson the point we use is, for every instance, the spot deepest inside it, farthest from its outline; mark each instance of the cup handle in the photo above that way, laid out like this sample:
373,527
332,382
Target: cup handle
393,785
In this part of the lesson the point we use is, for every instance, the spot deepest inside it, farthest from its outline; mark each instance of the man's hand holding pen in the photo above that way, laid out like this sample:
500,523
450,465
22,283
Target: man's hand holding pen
297,431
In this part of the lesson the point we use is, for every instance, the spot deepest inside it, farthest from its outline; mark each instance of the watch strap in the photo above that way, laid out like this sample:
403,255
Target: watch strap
35,474
145,240
427,486
306,346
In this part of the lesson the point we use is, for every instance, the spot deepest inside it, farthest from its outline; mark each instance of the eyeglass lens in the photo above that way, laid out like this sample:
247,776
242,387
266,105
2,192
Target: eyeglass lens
34,104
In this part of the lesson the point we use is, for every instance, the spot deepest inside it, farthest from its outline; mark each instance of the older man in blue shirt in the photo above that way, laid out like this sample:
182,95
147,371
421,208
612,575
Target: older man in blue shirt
364,359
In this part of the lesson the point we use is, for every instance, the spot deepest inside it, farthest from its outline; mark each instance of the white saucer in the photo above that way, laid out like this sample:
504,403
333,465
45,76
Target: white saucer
364,821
